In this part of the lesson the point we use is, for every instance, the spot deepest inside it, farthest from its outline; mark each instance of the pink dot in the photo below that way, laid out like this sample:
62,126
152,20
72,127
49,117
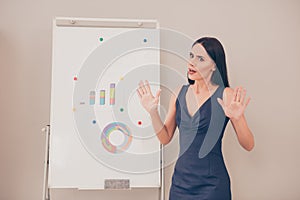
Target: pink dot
75,78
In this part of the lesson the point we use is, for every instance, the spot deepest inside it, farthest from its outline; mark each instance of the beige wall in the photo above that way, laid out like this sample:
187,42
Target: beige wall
261,39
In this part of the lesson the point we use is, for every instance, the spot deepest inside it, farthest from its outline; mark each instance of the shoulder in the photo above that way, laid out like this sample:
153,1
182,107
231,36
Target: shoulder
178,89
175,92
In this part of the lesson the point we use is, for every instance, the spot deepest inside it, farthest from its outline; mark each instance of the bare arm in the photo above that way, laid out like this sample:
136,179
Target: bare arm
244,134
164,131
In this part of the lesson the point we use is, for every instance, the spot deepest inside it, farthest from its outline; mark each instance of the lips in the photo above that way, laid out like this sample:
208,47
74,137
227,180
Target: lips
191,71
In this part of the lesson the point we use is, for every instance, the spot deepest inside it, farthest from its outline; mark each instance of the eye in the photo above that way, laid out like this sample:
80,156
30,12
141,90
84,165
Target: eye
200,58
191,55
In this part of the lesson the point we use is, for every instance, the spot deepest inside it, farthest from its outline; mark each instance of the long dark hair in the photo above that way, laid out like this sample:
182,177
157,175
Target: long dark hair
216,51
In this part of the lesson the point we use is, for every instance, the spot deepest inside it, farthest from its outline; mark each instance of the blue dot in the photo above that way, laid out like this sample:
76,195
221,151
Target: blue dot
94,121
145,40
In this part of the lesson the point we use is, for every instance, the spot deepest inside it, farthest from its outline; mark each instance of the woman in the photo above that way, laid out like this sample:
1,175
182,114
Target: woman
200,171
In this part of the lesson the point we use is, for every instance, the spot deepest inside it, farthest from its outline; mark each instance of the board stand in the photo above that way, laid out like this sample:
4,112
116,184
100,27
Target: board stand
162,175
46,189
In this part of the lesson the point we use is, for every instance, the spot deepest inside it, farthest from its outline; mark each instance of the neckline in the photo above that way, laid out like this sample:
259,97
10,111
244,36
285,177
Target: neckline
197,111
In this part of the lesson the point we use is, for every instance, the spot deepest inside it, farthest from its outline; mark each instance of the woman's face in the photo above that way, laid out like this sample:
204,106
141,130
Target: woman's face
200,65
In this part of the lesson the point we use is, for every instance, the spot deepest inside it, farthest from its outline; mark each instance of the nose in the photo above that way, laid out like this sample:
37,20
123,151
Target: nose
190,62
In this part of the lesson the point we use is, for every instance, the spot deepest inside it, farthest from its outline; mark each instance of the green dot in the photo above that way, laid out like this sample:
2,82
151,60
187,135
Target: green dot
101,39
121,109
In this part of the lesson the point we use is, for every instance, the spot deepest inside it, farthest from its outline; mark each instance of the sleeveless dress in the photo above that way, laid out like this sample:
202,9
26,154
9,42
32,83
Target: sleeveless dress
198,175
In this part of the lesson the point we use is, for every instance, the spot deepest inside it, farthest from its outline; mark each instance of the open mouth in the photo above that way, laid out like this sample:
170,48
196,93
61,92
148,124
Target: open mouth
191,71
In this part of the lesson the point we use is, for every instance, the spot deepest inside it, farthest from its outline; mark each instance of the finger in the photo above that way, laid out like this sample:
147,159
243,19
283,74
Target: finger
238,95
147,87
158,94
247,102
138,92
156,99
142,88
243,95
235,94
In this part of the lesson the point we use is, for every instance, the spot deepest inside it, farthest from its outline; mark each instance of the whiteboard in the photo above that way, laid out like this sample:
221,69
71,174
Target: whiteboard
99,130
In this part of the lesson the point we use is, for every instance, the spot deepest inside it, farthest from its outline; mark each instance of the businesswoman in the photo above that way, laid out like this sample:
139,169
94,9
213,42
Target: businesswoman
196,108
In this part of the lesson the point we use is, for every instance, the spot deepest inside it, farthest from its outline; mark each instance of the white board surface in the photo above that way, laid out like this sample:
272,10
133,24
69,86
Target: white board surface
99,130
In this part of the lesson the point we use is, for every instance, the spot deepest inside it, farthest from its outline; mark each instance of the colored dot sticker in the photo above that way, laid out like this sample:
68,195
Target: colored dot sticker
139,122
121,78
145,40
74,109
94,121
75,78
101,39
121,109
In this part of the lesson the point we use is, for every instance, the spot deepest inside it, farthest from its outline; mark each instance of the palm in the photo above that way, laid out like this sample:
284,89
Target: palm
234,108
148,101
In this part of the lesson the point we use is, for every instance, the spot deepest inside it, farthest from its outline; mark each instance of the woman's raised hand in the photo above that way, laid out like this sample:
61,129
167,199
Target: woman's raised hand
235,106
148,101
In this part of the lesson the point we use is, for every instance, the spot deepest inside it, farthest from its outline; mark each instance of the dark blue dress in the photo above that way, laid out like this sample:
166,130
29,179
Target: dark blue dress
200,172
